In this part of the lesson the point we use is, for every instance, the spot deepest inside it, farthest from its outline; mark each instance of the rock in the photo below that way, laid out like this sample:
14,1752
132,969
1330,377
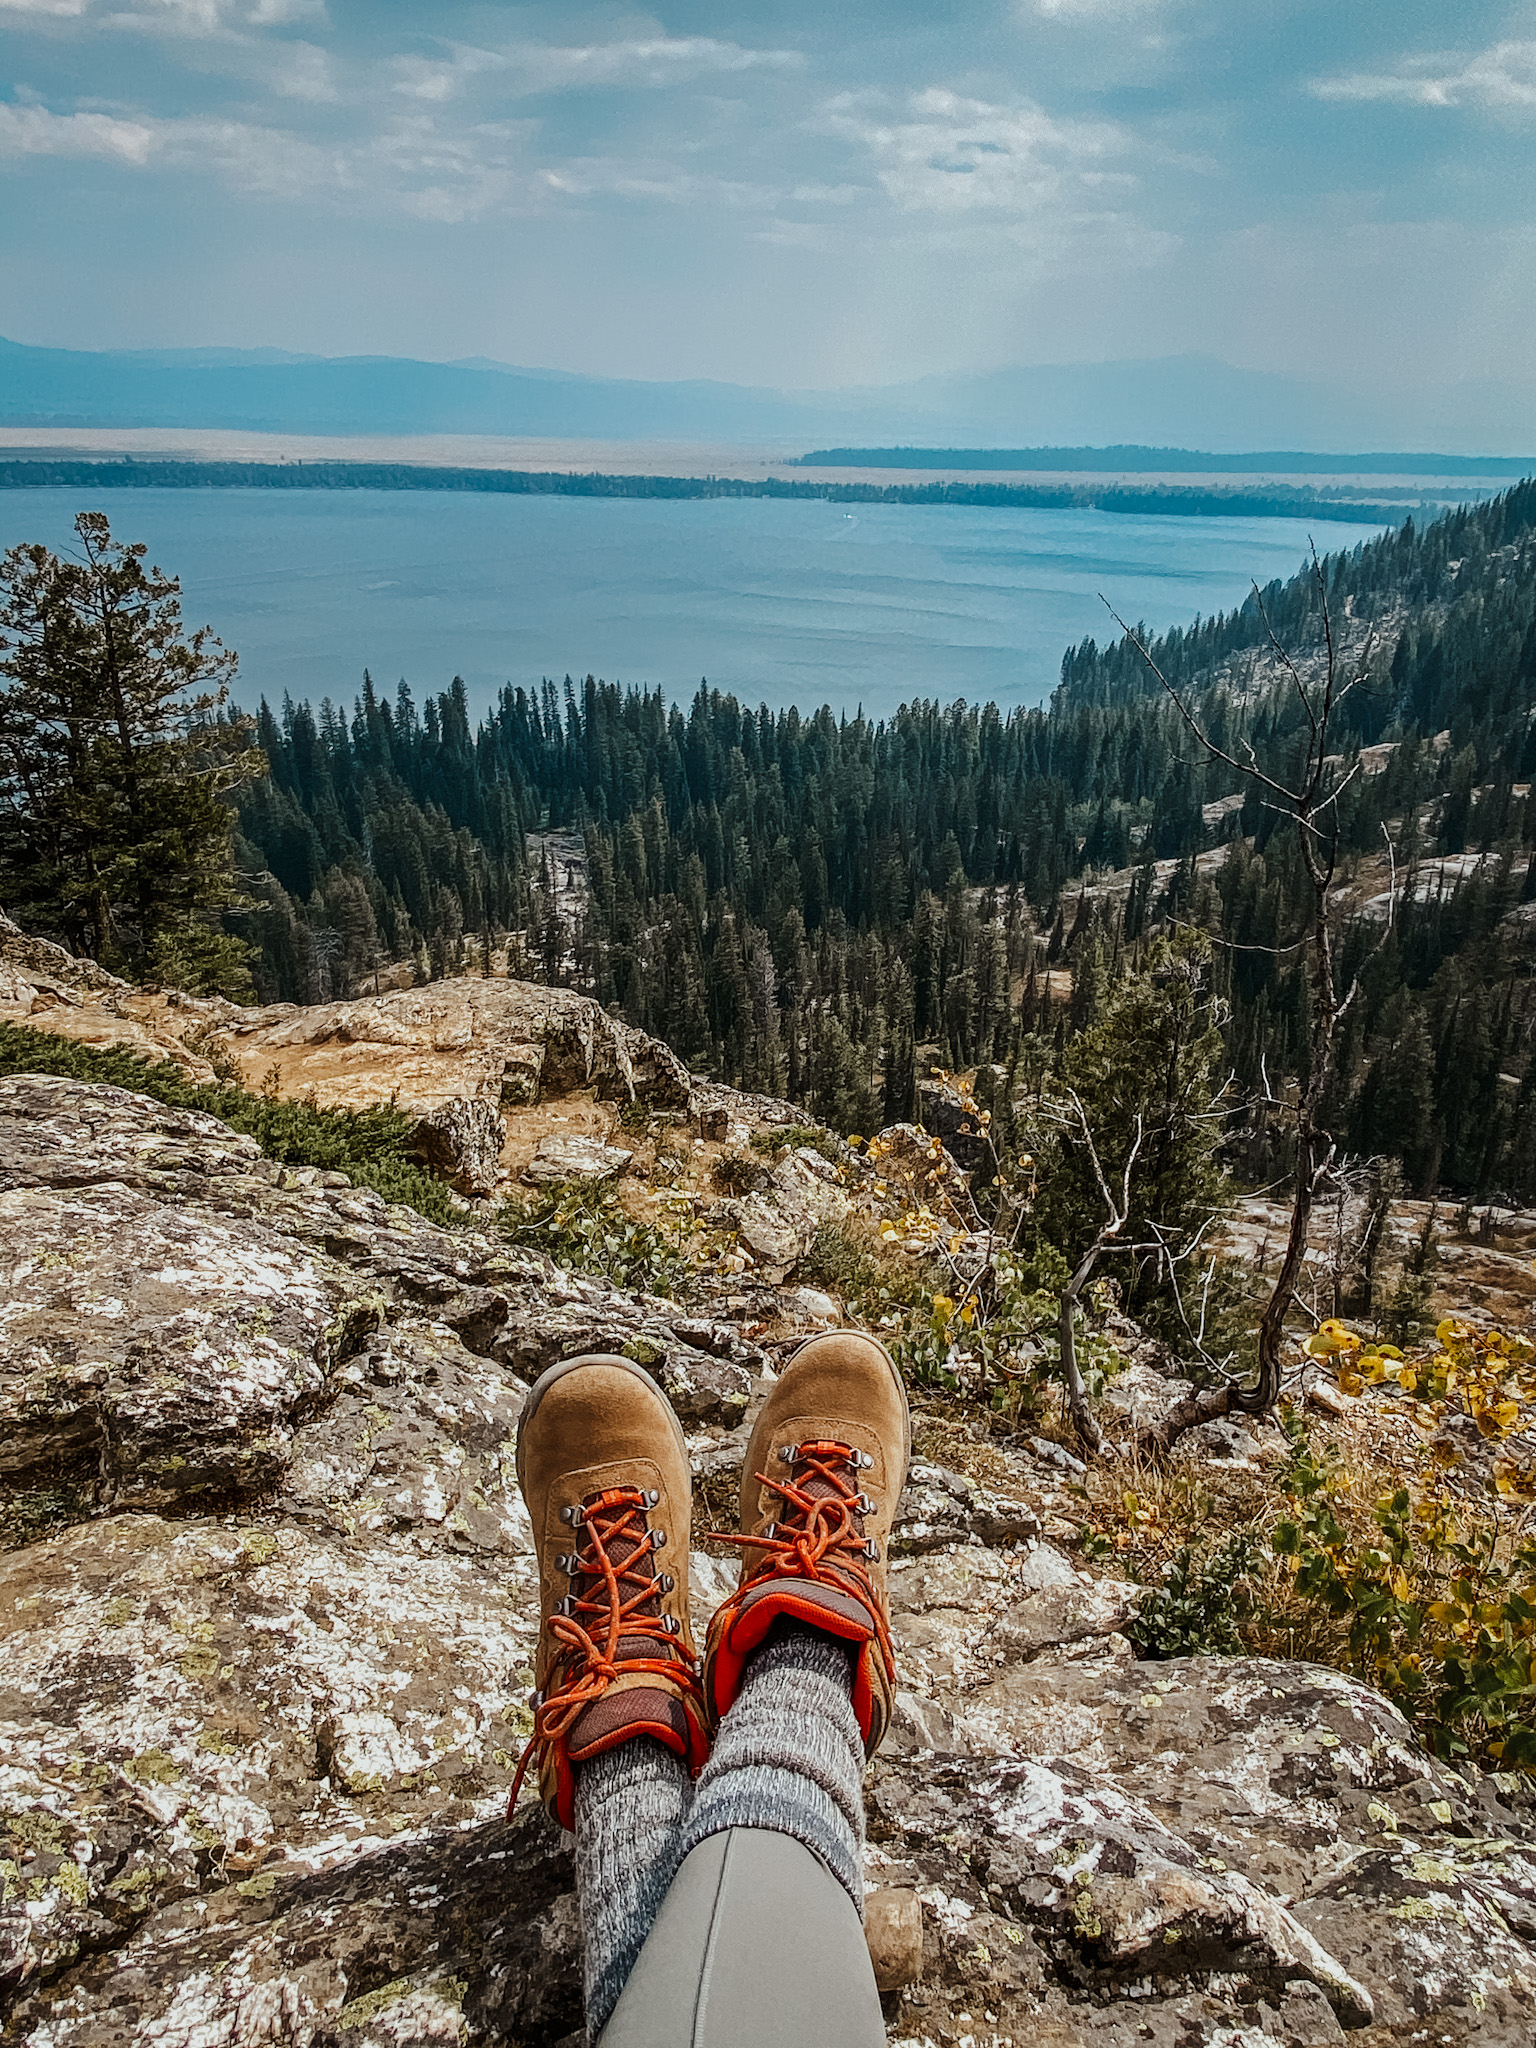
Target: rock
1107,1891
893,1930
1145,1396
269,1635
714,1125
810,1301
461,1143
488,1040
775,1237
581,1159
941,1507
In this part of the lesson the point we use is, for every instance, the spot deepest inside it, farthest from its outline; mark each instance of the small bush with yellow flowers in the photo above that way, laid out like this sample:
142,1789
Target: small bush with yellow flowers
1435,1586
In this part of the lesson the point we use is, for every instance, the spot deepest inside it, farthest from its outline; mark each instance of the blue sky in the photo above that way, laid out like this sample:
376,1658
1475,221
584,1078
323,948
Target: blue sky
785,193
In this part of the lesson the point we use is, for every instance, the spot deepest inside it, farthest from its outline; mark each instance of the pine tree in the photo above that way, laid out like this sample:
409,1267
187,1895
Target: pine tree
117,755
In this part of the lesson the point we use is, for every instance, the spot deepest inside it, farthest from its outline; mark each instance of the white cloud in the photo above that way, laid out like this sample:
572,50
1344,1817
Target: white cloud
1095,10
525,69
301,71
410,166
282,13
34,131
948,154
189,18
639,61
1502,76
439,78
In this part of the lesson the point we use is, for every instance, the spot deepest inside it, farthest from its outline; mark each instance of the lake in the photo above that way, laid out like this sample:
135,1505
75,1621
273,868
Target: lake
784,602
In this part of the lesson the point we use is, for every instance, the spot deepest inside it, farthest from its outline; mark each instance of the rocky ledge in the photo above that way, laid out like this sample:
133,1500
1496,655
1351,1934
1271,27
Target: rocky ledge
269,1614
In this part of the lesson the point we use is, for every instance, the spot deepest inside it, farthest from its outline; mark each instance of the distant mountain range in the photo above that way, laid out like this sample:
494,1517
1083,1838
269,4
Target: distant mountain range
1123,461
1186,401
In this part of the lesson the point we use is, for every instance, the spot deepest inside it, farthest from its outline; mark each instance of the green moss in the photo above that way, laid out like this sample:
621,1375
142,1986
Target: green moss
363,2011
1414,1909
259,1887
31,1512
69,1882
36,1829
1085,1919
154,1767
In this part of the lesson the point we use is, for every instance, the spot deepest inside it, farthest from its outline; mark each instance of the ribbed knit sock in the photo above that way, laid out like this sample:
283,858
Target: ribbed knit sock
630,1807
789,1756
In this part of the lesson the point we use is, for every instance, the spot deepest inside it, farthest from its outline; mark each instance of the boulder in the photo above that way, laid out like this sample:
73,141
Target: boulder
461,1143
575,1159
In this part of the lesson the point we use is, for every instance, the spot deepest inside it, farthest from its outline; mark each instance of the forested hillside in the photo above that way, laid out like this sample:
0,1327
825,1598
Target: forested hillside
803,903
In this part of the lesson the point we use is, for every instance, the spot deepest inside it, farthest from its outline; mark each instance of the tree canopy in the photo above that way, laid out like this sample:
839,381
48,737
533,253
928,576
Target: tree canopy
118,756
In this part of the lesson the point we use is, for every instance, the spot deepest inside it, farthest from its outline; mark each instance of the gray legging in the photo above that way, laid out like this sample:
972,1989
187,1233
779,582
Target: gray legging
756,1945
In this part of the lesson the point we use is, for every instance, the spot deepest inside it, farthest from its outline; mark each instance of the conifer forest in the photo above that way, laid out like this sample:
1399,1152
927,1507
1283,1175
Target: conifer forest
809,906
823,907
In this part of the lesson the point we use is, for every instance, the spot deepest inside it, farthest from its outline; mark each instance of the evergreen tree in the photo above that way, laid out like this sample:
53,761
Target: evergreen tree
117,757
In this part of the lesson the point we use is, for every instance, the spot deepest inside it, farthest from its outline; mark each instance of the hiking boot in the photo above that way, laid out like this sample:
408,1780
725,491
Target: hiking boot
604,1471
824,1472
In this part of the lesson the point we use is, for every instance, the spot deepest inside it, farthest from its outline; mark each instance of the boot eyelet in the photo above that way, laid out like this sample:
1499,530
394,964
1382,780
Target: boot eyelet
572,1515
565,1606
672,1625
770,1530
865,1460
872,1550
658,1539
535,1701
652,1498
666,1582
788,1453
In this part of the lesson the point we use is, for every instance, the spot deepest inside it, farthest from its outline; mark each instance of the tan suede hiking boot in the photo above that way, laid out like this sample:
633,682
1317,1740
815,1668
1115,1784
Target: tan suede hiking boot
604,1471
824,1472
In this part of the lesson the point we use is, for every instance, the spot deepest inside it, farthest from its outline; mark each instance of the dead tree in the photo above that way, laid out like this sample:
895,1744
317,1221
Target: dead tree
1310,803
1116,1214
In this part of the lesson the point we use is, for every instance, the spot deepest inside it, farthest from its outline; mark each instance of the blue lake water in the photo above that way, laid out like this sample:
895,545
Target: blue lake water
785,602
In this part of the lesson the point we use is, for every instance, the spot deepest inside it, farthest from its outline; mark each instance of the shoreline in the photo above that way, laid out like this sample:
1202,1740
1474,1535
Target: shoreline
35,470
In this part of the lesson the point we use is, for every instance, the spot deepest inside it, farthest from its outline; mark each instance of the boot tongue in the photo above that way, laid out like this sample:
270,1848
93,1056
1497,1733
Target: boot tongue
817,1487
620,1550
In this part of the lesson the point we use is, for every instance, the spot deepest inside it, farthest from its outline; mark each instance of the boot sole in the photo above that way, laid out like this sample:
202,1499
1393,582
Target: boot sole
550,1374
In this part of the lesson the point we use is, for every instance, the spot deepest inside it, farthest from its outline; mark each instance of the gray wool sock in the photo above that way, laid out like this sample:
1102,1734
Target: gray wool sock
789,1756
630,1807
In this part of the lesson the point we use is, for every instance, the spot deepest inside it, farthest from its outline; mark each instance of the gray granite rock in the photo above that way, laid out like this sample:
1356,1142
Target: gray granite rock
269,1631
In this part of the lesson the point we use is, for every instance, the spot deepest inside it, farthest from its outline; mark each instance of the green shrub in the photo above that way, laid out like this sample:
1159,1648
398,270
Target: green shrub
782,1138
1434,1588
368,1145
584,1227
1200,1606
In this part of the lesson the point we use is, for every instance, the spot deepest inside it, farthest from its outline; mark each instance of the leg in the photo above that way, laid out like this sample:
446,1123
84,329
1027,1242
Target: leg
618,1717
631,1804
760,1941
756,1946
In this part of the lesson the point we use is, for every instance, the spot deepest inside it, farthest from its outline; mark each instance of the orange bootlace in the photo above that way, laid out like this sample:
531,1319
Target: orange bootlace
817,1539
591,1660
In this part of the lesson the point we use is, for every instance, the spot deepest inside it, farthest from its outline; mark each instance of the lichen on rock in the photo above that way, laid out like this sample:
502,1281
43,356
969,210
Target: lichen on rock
269,1626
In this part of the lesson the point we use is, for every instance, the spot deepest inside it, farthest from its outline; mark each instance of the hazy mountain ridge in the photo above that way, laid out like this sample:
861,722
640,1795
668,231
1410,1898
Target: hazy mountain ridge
1191,401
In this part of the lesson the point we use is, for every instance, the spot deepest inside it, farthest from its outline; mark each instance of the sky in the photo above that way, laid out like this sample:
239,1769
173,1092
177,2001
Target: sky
782,192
